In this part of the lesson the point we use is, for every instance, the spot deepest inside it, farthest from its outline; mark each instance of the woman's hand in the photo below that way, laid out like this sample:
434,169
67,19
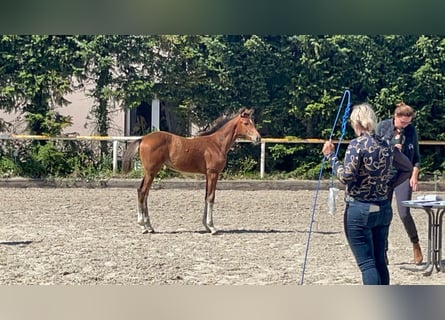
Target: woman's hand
328,148
414,180
414,183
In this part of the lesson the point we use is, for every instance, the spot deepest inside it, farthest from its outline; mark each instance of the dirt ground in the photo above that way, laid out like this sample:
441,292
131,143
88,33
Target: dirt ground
90,236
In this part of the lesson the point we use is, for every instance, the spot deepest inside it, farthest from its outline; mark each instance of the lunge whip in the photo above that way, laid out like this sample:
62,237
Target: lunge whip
331,200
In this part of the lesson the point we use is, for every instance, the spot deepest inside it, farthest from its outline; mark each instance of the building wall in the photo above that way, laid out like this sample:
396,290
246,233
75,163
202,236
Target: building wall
79,110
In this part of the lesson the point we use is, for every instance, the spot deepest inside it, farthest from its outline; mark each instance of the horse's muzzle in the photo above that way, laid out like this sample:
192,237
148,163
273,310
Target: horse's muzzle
256,139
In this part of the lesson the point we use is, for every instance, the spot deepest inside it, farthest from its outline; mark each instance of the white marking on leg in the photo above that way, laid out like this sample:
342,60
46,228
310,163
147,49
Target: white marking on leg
210,218
204,217
147,224
140,216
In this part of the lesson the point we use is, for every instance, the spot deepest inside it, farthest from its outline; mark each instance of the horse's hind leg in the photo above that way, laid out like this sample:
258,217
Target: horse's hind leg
143,217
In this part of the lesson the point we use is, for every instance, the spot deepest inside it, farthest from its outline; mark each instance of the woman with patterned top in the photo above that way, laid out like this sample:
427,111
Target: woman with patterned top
367,174
401,133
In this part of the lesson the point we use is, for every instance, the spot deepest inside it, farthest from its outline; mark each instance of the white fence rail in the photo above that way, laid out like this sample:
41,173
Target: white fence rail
117,139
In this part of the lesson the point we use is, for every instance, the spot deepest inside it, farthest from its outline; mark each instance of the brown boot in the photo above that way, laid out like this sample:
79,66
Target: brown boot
418,257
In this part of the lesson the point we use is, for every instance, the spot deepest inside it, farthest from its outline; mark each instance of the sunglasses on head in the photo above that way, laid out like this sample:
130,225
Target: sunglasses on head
402,114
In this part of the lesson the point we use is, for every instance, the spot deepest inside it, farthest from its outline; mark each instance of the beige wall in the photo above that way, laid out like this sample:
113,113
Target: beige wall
79,110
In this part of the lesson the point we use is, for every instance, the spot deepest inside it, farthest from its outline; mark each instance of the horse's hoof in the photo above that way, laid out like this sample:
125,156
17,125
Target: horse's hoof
145,231
214,232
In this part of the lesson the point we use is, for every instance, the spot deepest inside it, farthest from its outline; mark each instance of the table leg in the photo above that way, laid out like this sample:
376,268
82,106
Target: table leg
440,213
436,261
431,243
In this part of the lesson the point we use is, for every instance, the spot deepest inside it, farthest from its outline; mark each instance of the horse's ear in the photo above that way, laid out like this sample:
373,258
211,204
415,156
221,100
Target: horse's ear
246,113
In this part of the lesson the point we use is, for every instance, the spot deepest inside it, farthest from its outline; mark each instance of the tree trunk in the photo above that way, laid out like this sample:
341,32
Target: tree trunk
100,111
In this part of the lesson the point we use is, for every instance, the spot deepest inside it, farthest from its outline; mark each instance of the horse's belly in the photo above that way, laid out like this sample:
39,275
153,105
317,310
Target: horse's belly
192,174
188,166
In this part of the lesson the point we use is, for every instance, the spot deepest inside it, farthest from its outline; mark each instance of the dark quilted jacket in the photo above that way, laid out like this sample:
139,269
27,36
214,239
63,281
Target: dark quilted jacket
410,141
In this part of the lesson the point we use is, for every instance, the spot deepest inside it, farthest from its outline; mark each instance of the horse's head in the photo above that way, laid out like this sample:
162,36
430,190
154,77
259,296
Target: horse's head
246,127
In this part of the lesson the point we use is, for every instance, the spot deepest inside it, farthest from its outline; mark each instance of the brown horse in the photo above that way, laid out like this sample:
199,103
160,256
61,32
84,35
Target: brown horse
206,154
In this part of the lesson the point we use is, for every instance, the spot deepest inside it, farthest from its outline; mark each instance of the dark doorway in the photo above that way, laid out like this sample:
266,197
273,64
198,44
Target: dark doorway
140,120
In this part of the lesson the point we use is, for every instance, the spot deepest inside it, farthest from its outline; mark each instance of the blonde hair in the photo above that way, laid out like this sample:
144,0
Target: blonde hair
403,109
363,116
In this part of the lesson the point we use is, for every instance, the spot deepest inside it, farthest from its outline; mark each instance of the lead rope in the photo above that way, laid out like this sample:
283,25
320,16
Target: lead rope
343,131
333,191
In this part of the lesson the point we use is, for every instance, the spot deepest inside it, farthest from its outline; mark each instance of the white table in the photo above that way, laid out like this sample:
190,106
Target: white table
435,211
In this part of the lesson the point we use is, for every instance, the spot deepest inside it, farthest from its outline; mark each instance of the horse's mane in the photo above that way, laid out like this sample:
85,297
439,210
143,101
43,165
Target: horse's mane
221,121
215,125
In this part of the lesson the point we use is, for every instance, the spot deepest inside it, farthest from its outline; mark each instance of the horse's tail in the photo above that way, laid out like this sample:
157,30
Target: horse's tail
129,155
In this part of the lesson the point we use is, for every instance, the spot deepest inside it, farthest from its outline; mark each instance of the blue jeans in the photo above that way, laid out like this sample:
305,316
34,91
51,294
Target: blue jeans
366,228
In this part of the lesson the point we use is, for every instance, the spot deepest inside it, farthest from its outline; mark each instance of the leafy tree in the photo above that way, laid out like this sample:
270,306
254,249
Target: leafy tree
36,72
427,91
294,82
116,75
185,79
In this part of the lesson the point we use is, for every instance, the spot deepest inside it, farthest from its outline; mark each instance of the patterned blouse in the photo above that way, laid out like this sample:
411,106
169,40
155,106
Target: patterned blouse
367,168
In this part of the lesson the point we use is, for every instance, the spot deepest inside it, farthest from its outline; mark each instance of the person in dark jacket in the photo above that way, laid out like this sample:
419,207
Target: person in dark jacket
400,131
367,171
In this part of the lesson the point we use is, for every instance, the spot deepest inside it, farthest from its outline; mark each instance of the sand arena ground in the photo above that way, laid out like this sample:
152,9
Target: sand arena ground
87,235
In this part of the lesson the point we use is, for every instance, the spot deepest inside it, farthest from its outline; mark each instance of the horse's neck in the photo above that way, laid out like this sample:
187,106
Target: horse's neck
225,137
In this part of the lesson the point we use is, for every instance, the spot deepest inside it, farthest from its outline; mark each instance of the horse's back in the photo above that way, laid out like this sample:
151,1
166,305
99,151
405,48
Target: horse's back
157,139
177,152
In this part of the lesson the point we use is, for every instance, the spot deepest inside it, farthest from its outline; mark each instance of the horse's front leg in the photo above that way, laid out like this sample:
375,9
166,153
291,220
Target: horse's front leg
207,218
143,217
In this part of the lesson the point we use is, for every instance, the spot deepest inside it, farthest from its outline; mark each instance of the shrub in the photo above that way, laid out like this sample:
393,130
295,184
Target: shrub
8,168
